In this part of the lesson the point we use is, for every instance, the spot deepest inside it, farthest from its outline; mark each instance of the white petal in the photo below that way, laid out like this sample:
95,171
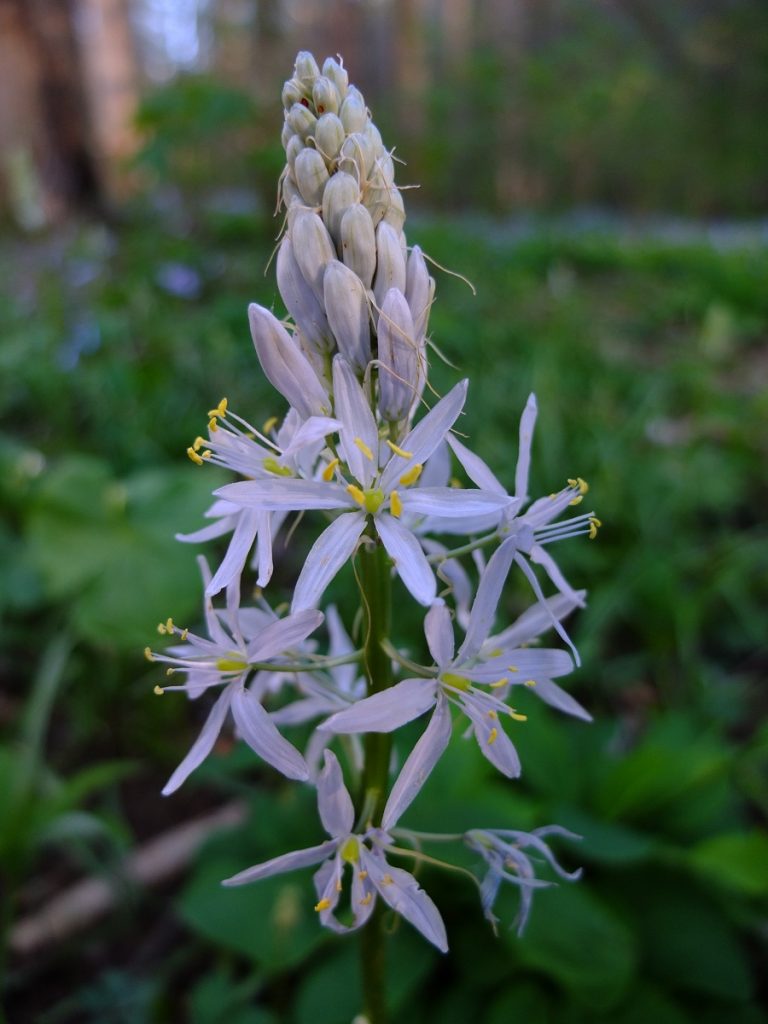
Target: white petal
264,550
240,544
527,424
330,551
281,635
486,602
353,409
422,441
530,575
438,630
312,430
477,471
385,711
491,738
557,697
536,620
210,532
285,495
403,893
418,767
203,745
286,862
411,563
261,735
451,502
333,801
524,663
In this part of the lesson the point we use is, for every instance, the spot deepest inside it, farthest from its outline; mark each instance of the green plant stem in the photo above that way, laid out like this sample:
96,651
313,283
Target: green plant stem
376,595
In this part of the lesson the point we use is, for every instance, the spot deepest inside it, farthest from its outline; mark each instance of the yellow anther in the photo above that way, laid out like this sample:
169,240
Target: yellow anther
207,454
350,851
576,501
148,654
498,683
580,484
338,885
220,410
363,875
512,668
387,880
529,682
269,424
493,735
169,625
324,904
158,691
496,652
170,671
516,716
412,475
212,424
194,456
360,443
366,899
161,628
492,714
184,634
198,443
594,526
552,497
329,470
456,483
395,504
357,494
400,451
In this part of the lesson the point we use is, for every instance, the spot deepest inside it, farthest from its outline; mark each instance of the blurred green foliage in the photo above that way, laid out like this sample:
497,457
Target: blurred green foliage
648,361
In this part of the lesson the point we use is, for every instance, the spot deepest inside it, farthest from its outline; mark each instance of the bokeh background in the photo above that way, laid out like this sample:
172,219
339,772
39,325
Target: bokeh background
598,169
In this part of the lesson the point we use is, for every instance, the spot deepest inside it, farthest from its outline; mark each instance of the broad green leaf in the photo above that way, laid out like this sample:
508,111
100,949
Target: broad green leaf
737,860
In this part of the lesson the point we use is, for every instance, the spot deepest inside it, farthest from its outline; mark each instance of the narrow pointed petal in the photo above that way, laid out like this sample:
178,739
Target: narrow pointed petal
359,425
557,697
240,544
264,551
310,432
438,630
285,495
493,742
385,711
283,634
524,663
284,863
487,600
203,745
422,441
418,767
452,502
530,575
340,645
261,735
330,551
333,801
403,893
477,471
527,424
411,563
537,619
210,532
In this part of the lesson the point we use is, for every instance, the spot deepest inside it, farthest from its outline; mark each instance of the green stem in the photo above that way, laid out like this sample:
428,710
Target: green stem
376,596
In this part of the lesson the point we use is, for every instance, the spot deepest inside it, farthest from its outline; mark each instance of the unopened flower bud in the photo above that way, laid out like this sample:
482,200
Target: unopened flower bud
329,135
419,290
358,243
293,93
346,306
341,192
400,364
390,263
292,150
325,96
284,365
334,70
290,192
306,69
311,175
357,156
301,120
353,112
374,137
395,212
300,301
286,135
312,247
